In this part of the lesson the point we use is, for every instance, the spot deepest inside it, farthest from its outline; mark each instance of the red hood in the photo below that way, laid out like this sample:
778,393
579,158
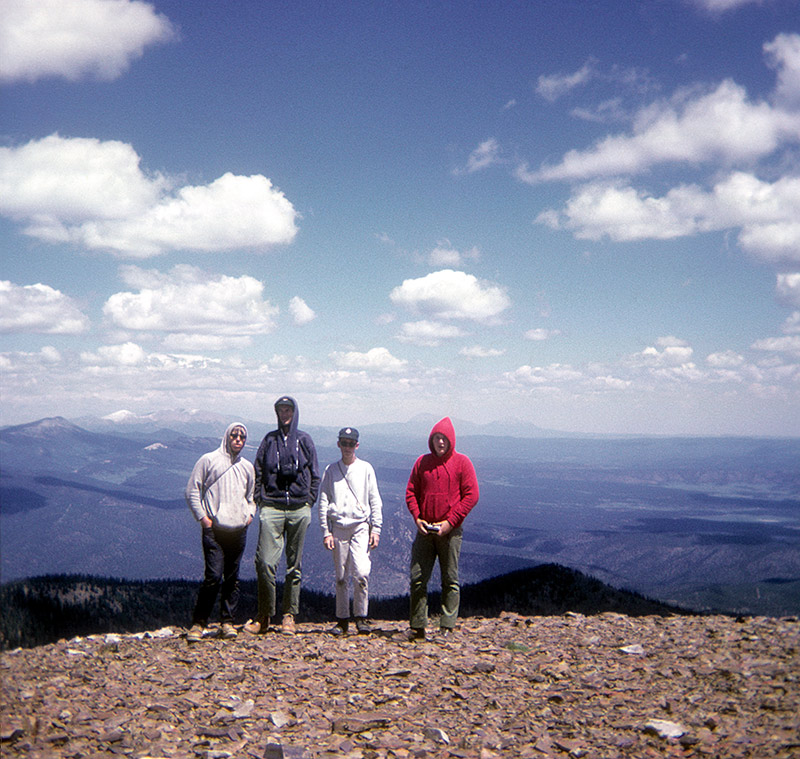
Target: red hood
444,427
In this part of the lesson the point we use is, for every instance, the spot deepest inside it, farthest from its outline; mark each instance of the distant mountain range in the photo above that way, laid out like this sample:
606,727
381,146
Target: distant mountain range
703,522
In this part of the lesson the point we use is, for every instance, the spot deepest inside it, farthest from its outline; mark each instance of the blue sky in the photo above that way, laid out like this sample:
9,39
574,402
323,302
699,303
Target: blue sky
583,215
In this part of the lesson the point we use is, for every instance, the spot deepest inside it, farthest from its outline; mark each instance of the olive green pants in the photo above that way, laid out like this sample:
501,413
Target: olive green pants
424,552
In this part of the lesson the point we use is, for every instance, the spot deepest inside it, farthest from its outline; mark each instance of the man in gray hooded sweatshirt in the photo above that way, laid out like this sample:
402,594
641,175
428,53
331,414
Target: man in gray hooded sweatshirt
220,495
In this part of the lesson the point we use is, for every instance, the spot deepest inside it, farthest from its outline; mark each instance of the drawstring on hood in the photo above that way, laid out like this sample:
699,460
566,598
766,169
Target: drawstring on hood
287,442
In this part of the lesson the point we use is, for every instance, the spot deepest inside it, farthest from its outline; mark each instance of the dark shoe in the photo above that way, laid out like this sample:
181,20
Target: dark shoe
340,628
416,634
227,631
446,632
363,626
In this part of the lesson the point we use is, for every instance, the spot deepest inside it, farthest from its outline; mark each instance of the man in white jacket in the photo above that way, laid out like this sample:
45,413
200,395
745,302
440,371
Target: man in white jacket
350,514
220,495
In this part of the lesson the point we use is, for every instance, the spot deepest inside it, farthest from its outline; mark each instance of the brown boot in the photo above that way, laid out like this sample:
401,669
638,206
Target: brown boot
287,625
256,626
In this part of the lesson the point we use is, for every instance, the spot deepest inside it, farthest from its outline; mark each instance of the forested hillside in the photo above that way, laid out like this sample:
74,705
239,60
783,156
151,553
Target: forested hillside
45,609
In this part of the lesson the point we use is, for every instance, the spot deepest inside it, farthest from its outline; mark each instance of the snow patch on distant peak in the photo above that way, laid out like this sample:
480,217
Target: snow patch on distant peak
120,417
154,447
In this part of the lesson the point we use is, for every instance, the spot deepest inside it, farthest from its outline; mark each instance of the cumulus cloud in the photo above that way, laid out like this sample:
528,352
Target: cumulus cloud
444,254
670,351
783,54
301,312
539,334
791,326
449,294
126,354
544,375
76,38
766,213
187,301
428,333
375,359
788,344
39,308
720,126
478,351
94,194
725,359
788,287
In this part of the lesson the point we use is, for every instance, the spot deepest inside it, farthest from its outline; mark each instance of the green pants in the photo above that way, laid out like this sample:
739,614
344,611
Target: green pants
279,527
424,552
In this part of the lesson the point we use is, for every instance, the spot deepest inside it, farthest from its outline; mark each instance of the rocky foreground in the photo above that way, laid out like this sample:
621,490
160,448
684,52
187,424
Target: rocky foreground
531,687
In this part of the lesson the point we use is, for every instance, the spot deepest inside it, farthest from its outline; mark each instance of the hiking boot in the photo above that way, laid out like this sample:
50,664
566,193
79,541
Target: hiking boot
195,634
287,625
227,631
340,628
363,626
416,634
256,626
446,632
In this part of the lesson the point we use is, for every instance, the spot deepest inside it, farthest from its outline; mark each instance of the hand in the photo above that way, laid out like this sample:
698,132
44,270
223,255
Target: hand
444,527
249,519
206,522
374,539
422,527
327,541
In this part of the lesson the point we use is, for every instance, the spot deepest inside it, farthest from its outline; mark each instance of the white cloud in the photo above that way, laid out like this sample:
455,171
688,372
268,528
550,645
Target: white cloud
301,312
553,86
721,6
39,308
792,324
544,375
783,53
674,352
126,354
766,214
428,333
539,334
444,254
789,344
725,359
449,294
609,382
788,287
375,359
75,38
485,155
478,351
188,301
719,126
94,194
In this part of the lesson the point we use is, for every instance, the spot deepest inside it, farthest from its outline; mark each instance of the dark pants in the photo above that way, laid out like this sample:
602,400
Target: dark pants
223,551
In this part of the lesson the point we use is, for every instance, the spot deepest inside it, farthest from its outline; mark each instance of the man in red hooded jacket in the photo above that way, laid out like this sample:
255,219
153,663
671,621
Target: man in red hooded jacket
441,491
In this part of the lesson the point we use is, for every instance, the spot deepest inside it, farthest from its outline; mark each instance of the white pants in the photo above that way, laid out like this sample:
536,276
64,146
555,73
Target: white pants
351,558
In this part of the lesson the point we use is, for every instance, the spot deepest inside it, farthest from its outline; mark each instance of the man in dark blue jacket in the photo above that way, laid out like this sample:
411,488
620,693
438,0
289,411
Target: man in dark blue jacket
287,482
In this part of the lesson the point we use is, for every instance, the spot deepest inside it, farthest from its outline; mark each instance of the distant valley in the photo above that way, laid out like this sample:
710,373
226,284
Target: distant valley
708,523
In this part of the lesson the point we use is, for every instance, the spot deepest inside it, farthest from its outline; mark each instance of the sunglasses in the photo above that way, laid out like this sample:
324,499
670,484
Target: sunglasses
348,443
234,435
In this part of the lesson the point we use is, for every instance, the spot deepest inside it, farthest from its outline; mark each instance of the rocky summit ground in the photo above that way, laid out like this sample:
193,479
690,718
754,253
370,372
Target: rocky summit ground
532,687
